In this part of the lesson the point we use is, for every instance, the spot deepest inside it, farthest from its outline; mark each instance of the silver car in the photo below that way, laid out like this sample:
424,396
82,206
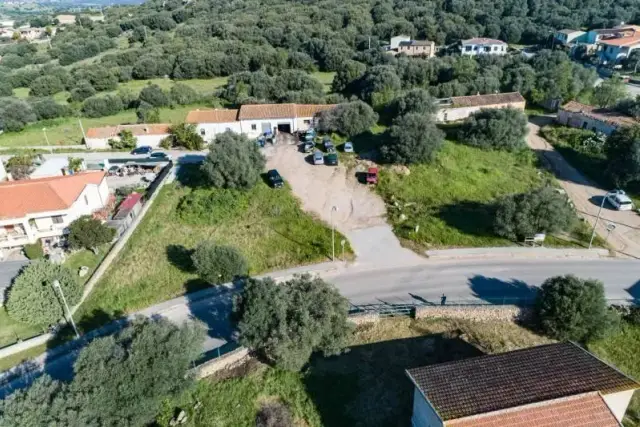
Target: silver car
318,158
348,147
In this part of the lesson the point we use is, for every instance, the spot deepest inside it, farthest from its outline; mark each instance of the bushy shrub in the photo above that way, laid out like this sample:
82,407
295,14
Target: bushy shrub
233,162
34,251
570,308
501,128
349,119
212,206
218,264
100,106
274,414
414,138
89,233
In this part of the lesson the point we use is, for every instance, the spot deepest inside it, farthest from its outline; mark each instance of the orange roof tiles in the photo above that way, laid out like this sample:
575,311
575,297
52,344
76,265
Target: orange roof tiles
585,410
621,41
267,111
488,99
310,110
212,116
602,114
30,196
136,130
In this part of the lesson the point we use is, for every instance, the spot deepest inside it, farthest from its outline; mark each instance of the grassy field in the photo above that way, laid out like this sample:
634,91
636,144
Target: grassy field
326,78
367,386
267,225
11,331
364,387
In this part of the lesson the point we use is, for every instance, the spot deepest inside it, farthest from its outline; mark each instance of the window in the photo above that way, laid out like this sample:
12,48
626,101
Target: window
307,122
254,127
475,48
467,48
202,132
86,200
487,49
584,125
57,219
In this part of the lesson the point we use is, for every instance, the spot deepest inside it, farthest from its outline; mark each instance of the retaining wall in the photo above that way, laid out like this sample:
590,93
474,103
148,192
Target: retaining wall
228,360
508,313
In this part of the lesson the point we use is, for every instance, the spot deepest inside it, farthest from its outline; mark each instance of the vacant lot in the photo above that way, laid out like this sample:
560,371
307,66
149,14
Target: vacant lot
367,386
267,225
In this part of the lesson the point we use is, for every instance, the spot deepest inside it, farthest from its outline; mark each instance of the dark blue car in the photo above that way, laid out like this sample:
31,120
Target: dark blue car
145,149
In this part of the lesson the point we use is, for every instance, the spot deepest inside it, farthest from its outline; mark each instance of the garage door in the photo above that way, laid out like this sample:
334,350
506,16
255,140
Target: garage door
284,127
266,127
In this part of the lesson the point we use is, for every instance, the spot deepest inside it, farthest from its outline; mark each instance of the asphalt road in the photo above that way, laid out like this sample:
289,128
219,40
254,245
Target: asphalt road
8,270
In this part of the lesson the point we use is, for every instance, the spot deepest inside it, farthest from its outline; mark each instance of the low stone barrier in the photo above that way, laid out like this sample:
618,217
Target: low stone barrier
364,318
510,313
223,362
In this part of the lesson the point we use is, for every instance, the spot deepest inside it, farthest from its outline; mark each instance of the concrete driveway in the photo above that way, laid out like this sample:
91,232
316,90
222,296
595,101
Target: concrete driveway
9,270
360,213
587,196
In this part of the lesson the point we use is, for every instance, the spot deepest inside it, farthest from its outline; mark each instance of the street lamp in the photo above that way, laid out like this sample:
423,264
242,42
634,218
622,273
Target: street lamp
593,233
342,243
56,285
333,235
44,130
610,228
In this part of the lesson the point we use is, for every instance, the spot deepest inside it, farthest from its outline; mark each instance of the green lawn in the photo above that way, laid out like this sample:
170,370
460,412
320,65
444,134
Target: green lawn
202,86
11,331
267,225
324,77
66,131
16,359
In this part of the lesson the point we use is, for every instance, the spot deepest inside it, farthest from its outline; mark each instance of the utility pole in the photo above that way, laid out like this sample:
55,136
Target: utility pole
369,42
44,130
84,137
56,285
333,235
593,233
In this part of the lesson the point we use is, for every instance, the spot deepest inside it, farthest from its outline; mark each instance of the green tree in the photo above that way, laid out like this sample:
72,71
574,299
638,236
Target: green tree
89,233
34,251
414,138
218,264
6,89
32,298
75,164
502,129
379,85
623,155
82,91
414,101
100,106
350,119
15,114
570,308
47,108
45,86
154,95
609,92
20,166
186,135
182,94
155,352
126,141
543,210
233,162
286,322
348,73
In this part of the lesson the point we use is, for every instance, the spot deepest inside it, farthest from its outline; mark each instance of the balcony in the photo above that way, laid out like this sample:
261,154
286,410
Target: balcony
9,240
50,231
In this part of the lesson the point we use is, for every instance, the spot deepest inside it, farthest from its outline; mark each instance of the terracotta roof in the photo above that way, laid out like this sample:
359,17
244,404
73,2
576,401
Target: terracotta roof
280,111
482,100
621,41
601,114
585,410
490,383
127,204
30,196
136,130
212,116
310,110
482,41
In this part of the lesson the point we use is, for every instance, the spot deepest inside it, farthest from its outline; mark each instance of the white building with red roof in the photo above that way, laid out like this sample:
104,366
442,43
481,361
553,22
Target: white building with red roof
483,46
146,135
43,208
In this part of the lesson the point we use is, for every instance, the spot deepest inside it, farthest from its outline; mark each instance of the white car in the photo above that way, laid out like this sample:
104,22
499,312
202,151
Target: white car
619,200
348,147
318,158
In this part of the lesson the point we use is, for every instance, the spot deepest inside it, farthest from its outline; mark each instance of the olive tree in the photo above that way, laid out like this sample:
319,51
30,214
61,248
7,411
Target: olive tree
570,308
543,210
502,128
609,92
350,119
414,101
286,322
413,138
233,162
218,264
32,298
89,233
186,135
623,155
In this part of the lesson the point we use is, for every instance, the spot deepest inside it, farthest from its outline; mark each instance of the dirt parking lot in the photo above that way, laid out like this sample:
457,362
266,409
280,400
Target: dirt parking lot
360,212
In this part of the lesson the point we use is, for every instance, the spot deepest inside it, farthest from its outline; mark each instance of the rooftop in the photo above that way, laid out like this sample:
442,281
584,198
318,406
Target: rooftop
602,114
416,43
257,112
30,196
218,115
491,383
621,41
482,100
569,31
482,41
136,130
585,410
127,204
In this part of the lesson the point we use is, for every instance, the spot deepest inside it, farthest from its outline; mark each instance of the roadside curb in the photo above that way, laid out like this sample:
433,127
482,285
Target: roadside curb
517,253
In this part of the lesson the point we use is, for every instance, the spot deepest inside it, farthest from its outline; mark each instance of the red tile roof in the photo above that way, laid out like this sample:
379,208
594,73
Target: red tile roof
483,384
136,130
585,410
488,99
223,115
30,196
127,204
601,114
621,41
280,111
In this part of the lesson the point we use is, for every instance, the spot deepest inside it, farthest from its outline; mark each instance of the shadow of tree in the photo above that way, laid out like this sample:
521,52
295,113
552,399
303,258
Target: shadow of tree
367,145
474,218
191,175
180,257
367,386
498,291
634,291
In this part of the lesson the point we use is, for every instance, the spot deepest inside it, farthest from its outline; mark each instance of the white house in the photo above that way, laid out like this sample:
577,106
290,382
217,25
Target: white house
546,386
461,107
146,134
483,46
614,50
43,208
588,117
256,119
567,36
395,41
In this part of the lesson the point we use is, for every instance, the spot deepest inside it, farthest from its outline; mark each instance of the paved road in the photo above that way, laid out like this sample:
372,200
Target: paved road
8,270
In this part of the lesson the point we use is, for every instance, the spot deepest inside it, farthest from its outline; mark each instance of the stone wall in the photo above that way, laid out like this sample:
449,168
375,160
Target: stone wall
363,318
229,360
508,313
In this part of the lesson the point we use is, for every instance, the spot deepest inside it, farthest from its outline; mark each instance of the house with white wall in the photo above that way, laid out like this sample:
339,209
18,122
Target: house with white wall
550,385
43,208
566,37
483,46
602,120
395,41
146,135
460,107
614,50
257,119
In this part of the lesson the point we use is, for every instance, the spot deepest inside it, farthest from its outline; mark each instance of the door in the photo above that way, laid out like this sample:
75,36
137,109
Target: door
284,127
266,127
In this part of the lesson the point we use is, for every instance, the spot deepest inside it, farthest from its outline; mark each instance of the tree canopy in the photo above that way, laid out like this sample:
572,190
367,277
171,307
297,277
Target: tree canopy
413,138
503,129
218,264
623,154
286,322
233,162
609,93
89,233
349,119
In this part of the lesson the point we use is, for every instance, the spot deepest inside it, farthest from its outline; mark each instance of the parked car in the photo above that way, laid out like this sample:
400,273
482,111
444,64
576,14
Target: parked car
619,200
372,176
145,149
348,147
318,158
332,159
326,140
275,179
330,148
308,147
159,155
